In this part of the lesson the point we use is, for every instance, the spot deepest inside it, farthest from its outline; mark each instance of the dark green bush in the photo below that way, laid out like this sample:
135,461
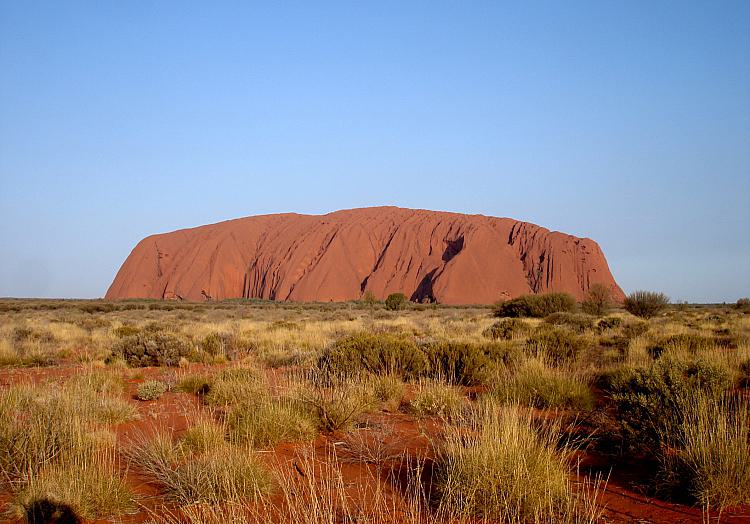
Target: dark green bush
575,321
395,301
649,401
381,353
559,345
506,329
152,349
463,363
535,305
646,304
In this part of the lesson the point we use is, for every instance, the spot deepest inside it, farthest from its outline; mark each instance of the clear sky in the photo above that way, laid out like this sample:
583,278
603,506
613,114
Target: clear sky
627,122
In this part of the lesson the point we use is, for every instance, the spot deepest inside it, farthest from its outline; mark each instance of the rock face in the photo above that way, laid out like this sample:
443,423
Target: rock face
432,256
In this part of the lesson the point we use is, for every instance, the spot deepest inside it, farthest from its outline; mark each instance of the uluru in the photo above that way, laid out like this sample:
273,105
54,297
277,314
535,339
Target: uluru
430,256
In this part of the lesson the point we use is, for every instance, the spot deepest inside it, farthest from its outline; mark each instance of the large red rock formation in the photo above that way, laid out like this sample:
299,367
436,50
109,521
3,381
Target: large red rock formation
429,256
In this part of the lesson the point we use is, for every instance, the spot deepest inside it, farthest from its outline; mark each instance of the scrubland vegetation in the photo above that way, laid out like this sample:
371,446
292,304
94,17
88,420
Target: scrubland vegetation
530,411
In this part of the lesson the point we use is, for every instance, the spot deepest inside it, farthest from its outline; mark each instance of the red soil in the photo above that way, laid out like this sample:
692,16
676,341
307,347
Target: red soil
621,498
450,258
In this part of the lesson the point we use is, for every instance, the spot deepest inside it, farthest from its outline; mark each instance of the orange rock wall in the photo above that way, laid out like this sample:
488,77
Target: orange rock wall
450,258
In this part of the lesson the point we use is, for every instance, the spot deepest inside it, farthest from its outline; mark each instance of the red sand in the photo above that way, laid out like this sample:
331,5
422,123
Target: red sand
450,258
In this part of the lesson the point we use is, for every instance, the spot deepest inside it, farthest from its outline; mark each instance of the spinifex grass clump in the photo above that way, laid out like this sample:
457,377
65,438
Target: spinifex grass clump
710,455
55,450
536,384
191,475
501,466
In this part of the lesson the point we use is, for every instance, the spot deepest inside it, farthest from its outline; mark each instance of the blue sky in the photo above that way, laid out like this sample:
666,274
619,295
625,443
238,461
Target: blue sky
627,122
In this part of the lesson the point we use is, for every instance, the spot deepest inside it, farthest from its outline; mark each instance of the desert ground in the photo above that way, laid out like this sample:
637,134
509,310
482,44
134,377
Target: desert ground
254,411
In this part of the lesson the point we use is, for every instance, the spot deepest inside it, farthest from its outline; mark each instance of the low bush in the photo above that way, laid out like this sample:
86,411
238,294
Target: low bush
464,363
575,321
646,304
395,301
553,344
507,329
151,390
743,304
152,348
648,401
382,353
538,306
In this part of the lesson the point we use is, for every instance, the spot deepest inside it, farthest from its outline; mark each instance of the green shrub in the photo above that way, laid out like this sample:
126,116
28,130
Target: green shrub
506,329
646,304
152,349
535,305
648,401
382,353
395,301
598,300
557,345
464,363
151,390
575,321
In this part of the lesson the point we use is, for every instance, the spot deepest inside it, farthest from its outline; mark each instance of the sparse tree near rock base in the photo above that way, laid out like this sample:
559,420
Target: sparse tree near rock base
646,304
598,300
